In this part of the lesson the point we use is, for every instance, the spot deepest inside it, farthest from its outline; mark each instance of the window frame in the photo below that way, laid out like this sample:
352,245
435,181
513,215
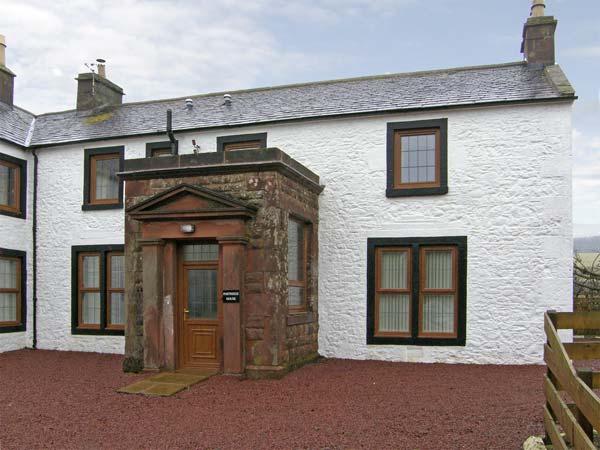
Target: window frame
378,290
303,307
152,147
20,211
90,157
224,141
395,130
104,328
418,246
21,323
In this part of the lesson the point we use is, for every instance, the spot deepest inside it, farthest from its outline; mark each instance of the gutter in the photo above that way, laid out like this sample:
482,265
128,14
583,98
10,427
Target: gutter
34,226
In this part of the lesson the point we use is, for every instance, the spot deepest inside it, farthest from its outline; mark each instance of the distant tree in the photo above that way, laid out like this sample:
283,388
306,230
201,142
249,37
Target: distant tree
586,278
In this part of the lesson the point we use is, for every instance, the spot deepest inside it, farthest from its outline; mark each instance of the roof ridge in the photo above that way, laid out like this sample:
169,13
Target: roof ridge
314,83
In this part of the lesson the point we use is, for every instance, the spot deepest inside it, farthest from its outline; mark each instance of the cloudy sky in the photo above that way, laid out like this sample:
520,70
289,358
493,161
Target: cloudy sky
158,49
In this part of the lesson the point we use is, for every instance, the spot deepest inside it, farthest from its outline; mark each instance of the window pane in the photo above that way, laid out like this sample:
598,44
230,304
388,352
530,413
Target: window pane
107,182
394,312
296,294
295,250
161,152
438,313
202,294
8,274
117,308
90,308
394,270
8,307
201,252
438,269
417,158
117,272
8,185
91,272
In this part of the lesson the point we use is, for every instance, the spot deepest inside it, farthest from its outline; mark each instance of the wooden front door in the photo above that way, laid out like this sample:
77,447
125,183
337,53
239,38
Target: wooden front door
199,312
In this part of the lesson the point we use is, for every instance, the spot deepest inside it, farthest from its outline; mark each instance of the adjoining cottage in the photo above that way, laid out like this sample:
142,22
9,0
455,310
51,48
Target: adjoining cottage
408,217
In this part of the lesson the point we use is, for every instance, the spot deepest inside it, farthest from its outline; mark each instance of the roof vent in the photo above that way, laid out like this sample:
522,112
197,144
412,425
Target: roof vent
189,103
227,99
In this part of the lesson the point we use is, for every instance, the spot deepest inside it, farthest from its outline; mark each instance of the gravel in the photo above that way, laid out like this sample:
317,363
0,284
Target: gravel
55,399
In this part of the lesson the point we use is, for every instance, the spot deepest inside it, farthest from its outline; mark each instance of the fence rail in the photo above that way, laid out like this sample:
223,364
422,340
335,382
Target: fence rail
579,418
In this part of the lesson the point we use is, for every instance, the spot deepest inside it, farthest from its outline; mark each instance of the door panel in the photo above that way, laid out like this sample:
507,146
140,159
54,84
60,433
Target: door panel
199,331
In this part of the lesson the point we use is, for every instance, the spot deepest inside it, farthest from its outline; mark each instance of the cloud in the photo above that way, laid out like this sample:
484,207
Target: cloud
589,51
162,48
586,179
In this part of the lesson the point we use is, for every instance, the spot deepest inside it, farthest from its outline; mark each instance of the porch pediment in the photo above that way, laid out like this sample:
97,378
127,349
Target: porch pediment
190,202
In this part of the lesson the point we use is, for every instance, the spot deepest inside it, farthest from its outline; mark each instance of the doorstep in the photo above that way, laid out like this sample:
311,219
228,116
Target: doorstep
166,384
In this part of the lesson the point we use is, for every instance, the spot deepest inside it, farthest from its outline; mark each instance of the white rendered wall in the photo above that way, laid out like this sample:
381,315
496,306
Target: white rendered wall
16,234
509,178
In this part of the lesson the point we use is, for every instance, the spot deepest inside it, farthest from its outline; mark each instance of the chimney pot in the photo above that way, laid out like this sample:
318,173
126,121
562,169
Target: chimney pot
538,8
189,103
101,67
2,50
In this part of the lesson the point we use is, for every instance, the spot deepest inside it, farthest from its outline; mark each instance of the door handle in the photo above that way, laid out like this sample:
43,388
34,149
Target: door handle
186,311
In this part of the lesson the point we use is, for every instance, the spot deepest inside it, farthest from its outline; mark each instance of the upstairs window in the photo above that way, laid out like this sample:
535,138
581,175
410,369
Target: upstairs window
12,291
102,187
156,149
13,172
417,158
297,264
98,289
242,142
417,291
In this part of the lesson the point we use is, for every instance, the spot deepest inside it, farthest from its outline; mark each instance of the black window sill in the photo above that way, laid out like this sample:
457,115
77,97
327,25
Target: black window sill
97,332
103,206
451,341
412,192
18,215
12,328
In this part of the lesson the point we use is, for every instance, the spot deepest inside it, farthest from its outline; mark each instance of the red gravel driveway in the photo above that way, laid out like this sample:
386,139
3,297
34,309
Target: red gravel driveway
69,400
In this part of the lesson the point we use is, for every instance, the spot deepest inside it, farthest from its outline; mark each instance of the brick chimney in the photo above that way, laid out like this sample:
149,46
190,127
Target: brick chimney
538,35
95,90
7,78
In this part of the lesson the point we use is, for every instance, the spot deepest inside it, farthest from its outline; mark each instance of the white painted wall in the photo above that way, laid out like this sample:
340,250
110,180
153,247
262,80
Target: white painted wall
16,234
510,192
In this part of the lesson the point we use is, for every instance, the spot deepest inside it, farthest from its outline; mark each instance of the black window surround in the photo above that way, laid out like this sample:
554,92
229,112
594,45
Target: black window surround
395,191
239,138
88,153
23,287
417,243
152,146
22,165
103,250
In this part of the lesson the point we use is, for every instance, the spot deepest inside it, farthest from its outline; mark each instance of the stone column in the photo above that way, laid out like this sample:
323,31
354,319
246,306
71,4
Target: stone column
152,279
233,264
168,307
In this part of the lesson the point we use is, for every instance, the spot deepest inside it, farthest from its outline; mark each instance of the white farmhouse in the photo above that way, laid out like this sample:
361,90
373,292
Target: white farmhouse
418,217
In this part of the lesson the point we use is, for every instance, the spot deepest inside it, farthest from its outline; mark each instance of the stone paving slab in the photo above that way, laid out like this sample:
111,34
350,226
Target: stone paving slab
165,384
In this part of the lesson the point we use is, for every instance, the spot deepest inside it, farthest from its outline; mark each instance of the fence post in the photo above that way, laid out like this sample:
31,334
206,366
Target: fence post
586,376
547,439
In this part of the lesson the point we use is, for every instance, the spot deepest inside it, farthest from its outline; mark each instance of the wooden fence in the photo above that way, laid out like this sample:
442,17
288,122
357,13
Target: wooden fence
581,415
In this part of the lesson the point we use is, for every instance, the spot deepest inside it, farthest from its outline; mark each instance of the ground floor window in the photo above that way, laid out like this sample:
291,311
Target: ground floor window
12,291
417,291
98,304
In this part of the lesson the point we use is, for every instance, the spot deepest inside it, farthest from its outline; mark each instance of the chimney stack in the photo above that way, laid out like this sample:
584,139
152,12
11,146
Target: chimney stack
538,35
7,78
94,90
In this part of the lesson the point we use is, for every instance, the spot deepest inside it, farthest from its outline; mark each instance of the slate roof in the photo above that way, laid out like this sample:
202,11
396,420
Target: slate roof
15,124
394,92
